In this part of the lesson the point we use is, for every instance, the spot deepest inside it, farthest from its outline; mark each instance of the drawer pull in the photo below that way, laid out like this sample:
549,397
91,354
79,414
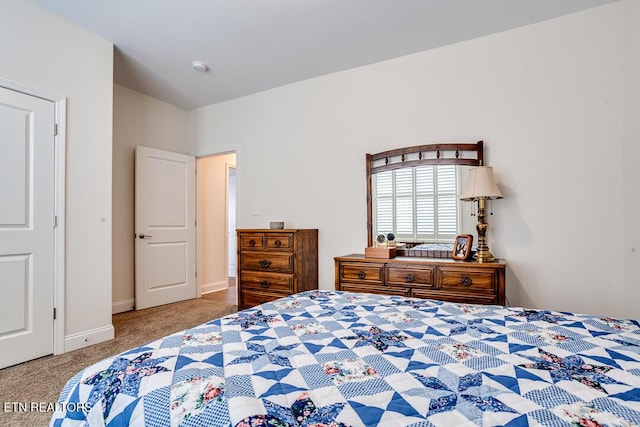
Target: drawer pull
264,263
277,243
409,278
361,274
265,284
252,242
466,281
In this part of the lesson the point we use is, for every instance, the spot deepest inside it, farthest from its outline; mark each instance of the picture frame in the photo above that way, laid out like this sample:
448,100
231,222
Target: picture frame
462,246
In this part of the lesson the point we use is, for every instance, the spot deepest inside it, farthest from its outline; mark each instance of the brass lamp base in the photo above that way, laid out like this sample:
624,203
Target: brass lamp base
483,257
482,254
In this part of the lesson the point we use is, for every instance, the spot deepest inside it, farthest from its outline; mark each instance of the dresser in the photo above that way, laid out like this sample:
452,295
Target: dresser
275,263
432,278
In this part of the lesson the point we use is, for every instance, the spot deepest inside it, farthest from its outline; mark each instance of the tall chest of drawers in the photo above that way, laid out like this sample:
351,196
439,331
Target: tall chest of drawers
275,263
431,278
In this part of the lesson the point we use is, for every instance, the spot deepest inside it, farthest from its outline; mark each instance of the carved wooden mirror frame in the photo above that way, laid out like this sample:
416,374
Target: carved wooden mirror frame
433,154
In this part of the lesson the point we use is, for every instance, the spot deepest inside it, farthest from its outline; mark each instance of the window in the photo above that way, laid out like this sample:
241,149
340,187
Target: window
419,203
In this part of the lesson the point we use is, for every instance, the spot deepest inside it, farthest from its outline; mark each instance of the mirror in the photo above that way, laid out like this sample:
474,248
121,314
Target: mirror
414,192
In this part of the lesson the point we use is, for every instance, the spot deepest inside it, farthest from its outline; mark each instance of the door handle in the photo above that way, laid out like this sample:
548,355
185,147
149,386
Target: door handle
144,236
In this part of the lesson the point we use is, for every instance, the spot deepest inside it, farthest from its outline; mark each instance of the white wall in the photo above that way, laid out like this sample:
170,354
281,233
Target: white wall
212,221
137,120
547,99
47,53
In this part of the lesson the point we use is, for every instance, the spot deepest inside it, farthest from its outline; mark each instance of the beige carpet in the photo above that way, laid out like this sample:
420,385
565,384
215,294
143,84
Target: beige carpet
41,380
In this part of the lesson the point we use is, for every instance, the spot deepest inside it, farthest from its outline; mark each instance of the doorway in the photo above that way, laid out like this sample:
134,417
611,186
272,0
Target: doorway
216,221
231,224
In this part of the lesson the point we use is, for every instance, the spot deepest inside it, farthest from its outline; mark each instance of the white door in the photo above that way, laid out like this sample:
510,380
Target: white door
165,227
26,227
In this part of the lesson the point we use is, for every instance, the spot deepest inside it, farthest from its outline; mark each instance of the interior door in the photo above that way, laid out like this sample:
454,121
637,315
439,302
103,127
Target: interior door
26,227
165,227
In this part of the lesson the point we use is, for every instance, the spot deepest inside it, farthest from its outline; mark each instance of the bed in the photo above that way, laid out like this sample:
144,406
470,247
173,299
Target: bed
328,358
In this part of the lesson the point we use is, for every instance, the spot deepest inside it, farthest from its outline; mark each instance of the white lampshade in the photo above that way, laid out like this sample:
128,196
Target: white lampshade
481,185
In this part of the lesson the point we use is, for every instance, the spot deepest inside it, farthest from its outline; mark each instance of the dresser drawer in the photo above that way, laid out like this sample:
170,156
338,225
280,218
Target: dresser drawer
253,298
267,261
375,289
270,241
251,241
364,273
410,276
467,280
268,282
461,298
281,242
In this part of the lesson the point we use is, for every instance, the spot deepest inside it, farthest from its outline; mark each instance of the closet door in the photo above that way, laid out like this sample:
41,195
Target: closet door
26,227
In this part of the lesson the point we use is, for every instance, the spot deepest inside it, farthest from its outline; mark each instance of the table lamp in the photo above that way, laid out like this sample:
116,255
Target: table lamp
481,186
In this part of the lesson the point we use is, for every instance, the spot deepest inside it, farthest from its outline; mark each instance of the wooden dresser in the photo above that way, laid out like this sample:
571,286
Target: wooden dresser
275,263
433,278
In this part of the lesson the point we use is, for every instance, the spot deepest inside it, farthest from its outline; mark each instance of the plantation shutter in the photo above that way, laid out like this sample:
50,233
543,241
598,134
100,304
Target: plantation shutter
404,203
383,190
425,202
418,203
447,202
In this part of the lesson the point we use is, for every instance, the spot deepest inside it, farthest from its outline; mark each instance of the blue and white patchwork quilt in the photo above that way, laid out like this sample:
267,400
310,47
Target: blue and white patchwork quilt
326,358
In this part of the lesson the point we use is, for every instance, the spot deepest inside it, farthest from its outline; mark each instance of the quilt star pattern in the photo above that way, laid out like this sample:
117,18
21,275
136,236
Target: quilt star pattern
329,358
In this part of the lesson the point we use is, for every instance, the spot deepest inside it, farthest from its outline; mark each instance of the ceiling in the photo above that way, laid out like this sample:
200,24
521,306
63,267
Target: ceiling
255,45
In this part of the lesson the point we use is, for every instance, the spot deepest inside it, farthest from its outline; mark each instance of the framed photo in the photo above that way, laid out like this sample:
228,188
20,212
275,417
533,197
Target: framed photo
462,246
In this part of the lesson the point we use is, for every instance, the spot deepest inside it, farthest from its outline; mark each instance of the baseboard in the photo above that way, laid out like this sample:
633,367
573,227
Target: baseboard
87,338
122,306
214,286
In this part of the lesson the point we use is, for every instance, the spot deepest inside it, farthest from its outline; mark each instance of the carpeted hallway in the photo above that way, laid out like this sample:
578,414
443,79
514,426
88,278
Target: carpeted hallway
41,380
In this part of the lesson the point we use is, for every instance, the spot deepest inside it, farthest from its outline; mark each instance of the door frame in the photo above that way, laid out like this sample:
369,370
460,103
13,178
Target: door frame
59,164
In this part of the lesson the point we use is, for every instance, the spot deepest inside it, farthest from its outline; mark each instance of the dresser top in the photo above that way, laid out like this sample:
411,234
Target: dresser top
420,260
272,230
